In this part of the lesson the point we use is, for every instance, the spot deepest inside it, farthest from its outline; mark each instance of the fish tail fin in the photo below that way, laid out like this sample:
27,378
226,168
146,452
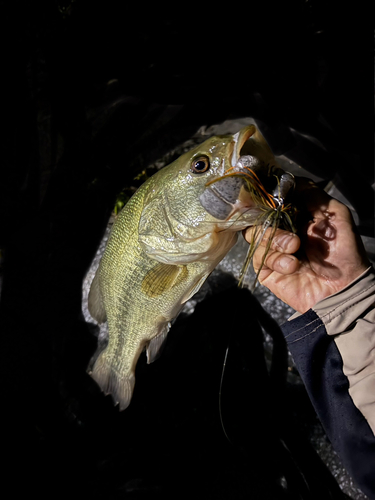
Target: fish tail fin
111,381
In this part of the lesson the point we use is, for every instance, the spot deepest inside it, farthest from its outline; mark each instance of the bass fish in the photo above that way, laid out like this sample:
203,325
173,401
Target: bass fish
167,240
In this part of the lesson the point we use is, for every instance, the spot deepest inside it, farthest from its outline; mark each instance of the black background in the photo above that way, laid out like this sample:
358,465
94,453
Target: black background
71,141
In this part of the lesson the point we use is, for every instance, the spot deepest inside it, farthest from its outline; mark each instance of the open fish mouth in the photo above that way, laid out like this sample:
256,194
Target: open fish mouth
247,183
251,192
257,189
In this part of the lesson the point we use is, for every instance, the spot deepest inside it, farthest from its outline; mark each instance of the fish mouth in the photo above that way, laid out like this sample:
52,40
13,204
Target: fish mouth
229,194
239,140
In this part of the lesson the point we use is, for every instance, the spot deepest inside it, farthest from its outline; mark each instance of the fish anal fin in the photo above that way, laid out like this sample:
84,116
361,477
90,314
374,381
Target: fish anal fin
119,385
156,345
194,289
95,301
162,278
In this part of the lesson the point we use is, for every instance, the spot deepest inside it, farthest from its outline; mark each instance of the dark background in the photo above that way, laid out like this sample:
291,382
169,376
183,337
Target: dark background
92,93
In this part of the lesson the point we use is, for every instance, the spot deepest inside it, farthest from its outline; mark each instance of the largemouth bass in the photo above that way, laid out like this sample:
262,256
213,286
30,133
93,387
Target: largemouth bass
166,241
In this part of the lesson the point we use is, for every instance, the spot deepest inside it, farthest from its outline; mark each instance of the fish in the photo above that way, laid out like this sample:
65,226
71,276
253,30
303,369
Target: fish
167,240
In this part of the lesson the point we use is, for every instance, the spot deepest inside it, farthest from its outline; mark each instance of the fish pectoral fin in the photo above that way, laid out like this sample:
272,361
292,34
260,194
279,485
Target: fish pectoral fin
162,278
156,345
95,301
194,289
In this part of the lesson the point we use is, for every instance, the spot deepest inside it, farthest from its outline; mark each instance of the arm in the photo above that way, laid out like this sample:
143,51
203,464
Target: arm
332,337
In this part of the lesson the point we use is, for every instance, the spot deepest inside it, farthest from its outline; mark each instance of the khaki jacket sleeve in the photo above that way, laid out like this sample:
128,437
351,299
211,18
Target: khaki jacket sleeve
349,317
333,346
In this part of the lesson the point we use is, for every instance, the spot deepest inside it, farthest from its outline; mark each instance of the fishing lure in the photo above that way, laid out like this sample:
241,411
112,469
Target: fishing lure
274,211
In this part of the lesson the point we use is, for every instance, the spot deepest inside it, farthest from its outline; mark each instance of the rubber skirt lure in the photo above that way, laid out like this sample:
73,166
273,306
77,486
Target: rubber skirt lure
271,208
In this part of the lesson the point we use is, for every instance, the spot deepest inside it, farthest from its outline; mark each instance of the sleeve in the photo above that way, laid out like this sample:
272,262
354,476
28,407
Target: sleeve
333,346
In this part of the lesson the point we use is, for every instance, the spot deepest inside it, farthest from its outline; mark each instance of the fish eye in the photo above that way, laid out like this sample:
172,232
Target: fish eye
200,165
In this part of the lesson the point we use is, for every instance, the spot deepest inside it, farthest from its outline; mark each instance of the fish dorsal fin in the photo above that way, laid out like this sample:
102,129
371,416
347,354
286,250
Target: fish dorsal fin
162,278
156,345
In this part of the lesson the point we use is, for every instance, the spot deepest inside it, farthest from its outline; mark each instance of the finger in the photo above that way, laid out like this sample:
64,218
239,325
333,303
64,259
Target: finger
275,261
283,241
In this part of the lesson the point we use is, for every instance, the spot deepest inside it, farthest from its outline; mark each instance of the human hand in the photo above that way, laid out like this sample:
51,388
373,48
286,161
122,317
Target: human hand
331,254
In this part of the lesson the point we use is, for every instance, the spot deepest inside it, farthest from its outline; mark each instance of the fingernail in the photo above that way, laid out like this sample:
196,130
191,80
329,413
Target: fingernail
285,262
